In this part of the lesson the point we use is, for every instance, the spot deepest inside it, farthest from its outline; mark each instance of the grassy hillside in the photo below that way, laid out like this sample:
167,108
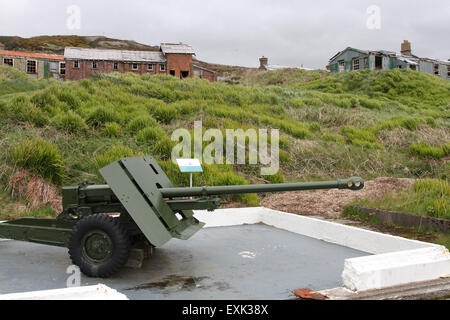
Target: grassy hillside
384,123
56,44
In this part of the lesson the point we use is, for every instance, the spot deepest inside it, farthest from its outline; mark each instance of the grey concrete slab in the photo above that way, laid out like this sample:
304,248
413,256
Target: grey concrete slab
239,262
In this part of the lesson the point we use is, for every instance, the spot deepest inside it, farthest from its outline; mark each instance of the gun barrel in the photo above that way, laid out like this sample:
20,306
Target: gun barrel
354,183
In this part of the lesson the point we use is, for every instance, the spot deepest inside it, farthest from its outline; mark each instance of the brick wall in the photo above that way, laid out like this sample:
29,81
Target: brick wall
208,75
85,69
178,63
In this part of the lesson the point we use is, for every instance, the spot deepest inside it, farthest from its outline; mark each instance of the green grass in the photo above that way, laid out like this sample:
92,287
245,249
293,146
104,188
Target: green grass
331,125
41,157
424,150
427,197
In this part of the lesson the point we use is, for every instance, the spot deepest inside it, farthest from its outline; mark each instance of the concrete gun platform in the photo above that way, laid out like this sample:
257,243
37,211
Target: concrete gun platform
247,254
237,262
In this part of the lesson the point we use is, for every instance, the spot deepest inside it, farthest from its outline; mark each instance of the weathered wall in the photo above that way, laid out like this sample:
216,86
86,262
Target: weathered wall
426,67
44,68
443,71
179,62
85,69
347,56
204,74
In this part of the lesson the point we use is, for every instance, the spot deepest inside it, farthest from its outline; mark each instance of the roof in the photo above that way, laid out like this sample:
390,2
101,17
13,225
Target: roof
272,67
412,59
113,55
32,55
177,48
203,68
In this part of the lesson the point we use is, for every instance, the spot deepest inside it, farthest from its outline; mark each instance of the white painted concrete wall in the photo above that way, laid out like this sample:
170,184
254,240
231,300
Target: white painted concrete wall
396,260
98,292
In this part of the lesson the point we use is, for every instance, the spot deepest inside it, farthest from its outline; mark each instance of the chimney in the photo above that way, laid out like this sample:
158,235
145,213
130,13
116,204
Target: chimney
263,63
406,48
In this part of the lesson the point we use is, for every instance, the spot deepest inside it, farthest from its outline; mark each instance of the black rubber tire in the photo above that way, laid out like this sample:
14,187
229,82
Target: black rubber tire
116,235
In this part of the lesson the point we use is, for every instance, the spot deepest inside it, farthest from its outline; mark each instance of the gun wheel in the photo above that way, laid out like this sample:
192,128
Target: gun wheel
99,246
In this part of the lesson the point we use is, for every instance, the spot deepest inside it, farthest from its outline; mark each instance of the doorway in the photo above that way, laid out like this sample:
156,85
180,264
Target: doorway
378,62
184,74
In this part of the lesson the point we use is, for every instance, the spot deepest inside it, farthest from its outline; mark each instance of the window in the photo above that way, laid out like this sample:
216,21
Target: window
62,68
150,67
116,66
76,64
135,66
31,66
436,70
341,66
8,61
94,64
184,74
162,67
355,64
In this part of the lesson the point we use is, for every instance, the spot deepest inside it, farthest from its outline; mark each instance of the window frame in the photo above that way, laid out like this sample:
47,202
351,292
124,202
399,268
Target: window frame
133,68
61,68
150,67
162,67
354,62
12,60
115,66
35,66
341,63
94,62
76,64
437,69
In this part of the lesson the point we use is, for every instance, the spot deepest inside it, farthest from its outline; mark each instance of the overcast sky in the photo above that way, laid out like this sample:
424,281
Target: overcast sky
290,33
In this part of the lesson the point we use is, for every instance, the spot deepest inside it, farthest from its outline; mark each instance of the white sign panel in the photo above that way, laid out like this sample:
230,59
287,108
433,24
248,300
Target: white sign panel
189,165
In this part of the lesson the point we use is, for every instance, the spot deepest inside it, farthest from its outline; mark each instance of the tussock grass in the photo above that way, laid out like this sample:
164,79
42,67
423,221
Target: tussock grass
41,157
112,130
113,154
424,150
428,197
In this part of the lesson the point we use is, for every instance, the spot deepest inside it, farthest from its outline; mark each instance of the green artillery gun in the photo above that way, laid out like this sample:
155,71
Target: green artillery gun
100,224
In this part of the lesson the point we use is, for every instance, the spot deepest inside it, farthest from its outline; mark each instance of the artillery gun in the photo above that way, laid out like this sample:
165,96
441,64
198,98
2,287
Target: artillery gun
100,224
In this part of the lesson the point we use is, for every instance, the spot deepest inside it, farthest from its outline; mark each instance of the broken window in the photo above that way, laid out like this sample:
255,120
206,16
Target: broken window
162,67
31,66
436,70
76,64
184,74
135,66
94,64
8,61
172,73
116,66
448,71
355,64
341,66
412,67
62,68
150,67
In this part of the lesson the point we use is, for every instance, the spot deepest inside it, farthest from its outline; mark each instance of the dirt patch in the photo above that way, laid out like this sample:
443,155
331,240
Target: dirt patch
37,191
329,203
